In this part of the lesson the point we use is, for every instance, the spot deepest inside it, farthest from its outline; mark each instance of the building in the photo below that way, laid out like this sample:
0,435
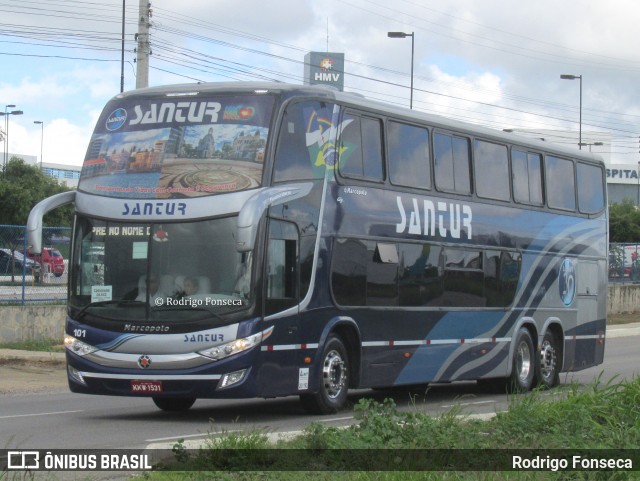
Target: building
63,173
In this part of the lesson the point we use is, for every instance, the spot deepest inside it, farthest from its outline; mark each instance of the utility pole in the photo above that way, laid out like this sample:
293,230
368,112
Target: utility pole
143,50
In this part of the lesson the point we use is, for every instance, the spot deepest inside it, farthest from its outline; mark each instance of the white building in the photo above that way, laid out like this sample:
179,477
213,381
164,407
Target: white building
66,174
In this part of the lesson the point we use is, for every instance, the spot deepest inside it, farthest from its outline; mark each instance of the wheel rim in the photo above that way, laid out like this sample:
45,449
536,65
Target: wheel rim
547,360
524,361
334,374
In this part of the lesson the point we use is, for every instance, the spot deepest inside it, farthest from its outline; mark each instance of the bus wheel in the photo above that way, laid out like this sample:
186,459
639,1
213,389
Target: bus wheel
524,362
334,384
548,370
174,403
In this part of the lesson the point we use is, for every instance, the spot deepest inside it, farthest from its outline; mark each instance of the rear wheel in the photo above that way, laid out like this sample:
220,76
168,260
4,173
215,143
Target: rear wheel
548,366
524,362
174,403
334,384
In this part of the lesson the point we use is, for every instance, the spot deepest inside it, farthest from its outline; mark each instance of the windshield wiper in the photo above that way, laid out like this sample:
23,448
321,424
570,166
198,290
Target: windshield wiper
83,311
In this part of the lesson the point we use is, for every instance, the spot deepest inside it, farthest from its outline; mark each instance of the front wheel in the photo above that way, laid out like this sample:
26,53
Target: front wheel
524,362
174,403
334,384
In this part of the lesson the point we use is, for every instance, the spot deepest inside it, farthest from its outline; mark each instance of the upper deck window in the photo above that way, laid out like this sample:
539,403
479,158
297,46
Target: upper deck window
177,147
409,155
361,148
452,163
560,180
492,170
526,171
590,188
305,146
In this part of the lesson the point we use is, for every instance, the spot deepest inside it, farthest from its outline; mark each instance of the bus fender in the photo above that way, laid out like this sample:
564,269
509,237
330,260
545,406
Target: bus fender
553,324
530,324
348,330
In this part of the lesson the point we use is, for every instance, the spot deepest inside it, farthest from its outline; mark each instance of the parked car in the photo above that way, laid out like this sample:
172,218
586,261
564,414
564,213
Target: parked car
14,263
50,259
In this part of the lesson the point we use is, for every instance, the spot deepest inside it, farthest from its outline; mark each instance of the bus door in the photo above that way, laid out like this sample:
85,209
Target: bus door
281,299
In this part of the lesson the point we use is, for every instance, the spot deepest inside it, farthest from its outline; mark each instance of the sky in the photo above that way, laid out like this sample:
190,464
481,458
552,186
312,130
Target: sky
495,63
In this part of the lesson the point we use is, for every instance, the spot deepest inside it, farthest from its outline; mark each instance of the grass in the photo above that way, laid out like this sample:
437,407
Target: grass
583,419
43,345
623,318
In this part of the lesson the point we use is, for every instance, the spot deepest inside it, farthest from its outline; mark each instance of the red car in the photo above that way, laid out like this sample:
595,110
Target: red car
50,259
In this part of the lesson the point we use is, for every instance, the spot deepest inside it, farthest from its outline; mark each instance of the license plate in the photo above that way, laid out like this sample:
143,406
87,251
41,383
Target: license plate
144,387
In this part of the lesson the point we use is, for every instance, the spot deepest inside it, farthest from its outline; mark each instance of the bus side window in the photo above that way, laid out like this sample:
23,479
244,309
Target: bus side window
281,267
452,163
491,170
526,172
361,148
292,160
590,188
560,181
408,155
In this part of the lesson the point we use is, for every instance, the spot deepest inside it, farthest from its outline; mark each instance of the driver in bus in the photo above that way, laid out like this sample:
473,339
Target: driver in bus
155,291
191,286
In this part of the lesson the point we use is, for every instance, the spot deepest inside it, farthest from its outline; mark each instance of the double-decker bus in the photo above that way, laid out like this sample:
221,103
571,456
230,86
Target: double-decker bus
261,240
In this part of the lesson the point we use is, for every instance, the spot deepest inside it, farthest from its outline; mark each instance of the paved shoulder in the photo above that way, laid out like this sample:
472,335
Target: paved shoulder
623,330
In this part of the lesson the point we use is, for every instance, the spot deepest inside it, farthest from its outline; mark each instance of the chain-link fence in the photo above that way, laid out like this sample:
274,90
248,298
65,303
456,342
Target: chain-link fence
624,262
25,278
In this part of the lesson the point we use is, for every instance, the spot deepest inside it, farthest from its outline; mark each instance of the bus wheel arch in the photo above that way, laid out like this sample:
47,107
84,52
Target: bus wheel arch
550,356
523,360
337,369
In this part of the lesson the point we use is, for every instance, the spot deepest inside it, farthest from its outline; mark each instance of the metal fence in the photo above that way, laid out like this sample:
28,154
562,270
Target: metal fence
25,278
624,263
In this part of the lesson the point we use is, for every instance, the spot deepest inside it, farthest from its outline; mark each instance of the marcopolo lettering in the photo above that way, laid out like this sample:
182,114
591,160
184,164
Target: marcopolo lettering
444,219
155,208
180,112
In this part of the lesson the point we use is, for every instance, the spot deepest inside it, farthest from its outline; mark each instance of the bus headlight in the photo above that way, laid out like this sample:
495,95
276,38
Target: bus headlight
234,347
78,347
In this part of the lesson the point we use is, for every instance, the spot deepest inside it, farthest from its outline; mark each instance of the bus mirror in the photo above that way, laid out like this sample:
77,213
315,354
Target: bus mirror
34,222
256,206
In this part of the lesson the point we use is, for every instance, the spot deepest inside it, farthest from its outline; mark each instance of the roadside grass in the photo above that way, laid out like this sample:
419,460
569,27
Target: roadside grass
601,416
42,345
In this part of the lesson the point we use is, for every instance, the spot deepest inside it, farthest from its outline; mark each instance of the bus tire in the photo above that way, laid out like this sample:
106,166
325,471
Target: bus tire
548,368
334,384
524,362
174,404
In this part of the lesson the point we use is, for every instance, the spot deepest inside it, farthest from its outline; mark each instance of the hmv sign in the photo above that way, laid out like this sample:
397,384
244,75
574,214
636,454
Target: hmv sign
324,68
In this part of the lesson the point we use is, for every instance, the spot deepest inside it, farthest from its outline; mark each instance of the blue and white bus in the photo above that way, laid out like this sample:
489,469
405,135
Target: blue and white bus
260,240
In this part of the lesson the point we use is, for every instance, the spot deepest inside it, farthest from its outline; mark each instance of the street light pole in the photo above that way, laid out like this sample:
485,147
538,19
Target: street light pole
405,35
573,77
41,123
122,50
6,114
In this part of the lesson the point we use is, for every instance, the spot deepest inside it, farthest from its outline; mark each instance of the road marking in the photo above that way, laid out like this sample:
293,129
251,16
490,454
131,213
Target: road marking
347,418
185,436
467,404
39,414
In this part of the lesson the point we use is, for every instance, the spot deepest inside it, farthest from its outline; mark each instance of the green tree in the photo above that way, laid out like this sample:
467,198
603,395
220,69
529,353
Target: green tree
21,187
624,222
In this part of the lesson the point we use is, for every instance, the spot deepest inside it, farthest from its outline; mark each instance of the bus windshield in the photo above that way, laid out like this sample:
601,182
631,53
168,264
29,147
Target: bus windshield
175,272
177,147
